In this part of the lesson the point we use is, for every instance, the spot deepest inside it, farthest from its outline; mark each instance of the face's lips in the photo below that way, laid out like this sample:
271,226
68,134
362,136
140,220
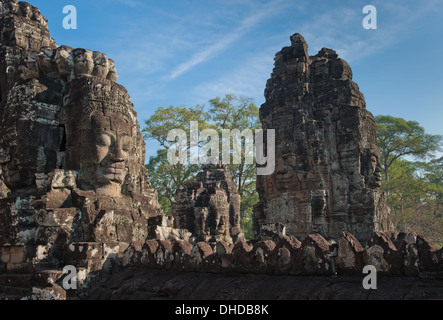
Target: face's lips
113,166
113,171
377,175
110,164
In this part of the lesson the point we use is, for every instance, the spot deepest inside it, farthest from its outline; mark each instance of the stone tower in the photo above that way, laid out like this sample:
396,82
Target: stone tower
73,186
209,207
327,173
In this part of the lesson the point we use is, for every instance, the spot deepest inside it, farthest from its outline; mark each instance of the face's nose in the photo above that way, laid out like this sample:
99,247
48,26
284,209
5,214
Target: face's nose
117,154
377,168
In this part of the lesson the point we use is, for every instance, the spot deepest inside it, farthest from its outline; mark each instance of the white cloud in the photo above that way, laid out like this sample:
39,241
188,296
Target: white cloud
245,26
341,28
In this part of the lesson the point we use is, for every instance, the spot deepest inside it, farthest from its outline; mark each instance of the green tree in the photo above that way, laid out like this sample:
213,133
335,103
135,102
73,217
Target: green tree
237,113
164,120
230,112
398,138
165,177
432,173
415,188
415,200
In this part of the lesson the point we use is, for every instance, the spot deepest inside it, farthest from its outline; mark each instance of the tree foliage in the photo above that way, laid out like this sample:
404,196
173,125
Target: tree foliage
237,113
229,112
398,138
166,178
164,120
415,188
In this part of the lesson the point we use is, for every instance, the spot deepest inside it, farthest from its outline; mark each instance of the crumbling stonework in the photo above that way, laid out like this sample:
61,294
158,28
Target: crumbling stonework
395,254
210,206
327,172
74,190
73,186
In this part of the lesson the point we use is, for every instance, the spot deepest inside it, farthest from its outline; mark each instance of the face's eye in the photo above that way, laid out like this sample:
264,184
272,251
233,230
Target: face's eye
125,143
126,146
103,140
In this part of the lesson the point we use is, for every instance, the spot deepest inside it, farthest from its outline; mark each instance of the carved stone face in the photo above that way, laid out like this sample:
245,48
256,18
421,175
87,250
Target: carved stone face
371,169
104,153
112,151
103,139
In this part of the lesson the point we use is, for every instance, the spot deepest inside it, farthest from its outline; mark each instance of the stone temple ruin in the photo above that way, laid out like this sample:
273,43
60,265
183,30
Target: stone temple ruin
74,190
327,171
210,207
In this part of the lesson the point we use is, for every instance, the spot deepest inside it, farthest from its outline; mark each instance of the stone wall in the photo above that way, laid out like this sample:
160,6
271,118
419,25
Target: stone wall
393,255
397,254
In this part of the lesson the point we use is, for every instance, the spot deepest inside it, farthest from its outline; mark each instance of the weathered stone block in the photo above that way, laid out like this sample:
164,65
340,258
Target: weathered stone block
201,253
316,255
182,256
273,231
430,259
264,257
409,251
56,218
242,257
17,254
5,254
161,221
85,250
64,179
132,257
350,256
223,248
382,254
148,253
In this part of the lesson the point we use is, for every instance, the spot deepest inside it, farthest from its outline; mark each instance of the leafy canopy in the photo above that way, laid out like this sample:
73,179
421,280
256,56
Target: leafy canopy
398,138
230,112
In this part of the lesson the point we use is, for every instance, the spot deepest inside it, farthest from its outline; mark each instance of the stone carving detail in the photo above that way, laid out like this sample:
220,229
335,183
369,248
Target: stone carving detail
396,254
71,152
210,207
327,174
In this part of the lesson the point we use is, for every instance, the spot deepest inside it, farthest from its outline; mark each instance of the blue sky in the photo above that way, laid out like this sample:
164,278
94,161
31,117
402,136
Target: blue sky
184,52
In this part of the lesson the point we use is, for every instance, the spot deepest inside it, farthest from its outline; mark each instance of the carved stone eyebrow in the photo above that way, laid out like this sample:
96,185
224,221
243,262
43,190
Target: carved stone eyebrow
100,134
110,134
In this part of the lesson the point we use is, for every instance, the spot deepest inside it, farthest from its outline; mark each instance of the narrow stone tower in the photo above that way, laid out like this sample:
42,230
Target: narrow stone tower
210,207
327,174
